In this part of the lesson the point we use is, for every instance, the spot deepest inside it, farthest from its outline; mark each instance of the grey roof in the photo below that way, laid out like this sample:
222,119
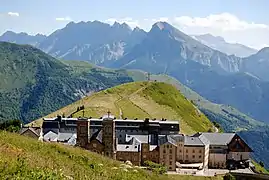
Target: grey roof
166,139
64,137
140,138
193,141
50,136
36,131
97,135
73,140
178,137
218,138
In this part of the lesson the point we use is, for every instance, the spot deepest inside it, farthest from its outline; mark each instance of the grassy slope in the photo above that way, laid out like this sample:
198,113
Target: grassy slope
142,100
25,158
259,168
34,84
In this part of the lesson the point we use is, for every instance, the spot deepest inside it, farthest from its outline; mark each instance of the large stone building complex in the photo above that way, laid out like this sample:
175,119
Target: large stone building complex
138,141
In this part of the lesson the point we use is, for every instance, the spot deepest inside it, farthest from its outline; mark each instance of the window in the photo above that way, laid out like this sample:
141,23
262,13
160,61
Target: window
200,157
200,151
193,151
186,150
170,151
170,162
170,168
180,150
164,151
193,156
167,146
187,156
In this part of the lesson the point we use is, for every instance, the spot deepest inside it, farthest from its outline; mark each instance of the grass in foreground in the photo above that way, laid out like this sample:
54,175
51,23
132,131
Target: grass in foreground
25,158
259,168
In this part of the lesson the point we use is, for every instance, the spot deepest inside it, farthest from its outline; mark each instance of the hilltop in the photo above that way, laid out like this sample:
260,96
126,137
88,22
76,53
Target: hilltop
142,100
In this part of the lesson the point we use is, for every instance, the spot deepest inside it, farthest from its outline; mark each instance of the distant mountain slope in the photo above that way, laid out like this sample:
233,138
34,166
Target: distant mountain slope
258,64
218,43
34,84
95,42
22,38
142,100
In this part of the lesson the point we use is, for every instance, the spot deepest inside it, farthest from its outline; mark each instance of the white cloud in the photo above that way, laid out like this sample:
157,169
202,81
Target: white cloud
13,14
128,20
224,22
63,19
163,19
226,25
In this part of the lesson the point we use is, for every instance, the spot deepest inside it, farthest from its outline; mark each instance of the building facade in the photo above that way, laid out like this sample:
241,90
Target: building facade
158,141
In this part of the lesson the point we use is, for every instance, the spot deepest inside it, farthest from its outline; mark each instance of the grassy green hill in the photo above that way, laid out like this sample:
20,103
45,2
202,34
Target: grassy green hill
26,158
254,132
142,100
34,84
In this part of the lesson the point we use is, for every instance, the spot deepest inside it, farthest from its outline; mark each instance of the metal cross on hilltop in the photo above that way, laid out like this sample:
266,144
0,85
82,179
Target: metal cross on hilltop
108,113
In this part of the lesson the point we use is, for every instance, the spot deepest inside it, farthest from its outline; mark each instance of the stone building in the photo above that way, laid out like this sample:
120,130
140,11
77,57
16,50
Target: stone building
225,147
158,141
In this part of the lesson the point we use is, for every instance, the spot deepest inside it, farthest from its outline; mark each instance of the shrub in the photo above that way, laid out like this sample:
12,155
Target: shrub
156,168
11,126
229,177
261,163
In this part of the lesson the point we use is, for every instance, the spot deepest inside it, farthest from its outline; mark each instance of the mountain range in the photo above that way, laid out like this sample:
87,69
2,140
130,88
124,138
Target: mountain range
22,38
218,43
221,78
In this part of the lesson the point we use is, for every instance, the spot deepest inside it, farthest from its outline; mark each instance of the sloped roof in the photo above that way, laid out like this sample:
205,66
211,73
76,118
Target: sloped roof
166,139
178,137
140,138
193,141
218,138
50,136
23,130
64,136
97,135
73,140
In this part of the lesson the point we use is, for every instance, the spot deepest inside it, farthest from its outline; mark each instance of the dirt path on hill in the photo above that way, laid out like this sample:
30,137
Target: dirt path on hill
127,97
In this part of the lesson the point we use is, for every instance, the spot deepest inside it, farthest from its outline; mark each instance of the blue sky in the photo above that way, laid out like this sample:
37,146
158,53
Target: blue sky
45,16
